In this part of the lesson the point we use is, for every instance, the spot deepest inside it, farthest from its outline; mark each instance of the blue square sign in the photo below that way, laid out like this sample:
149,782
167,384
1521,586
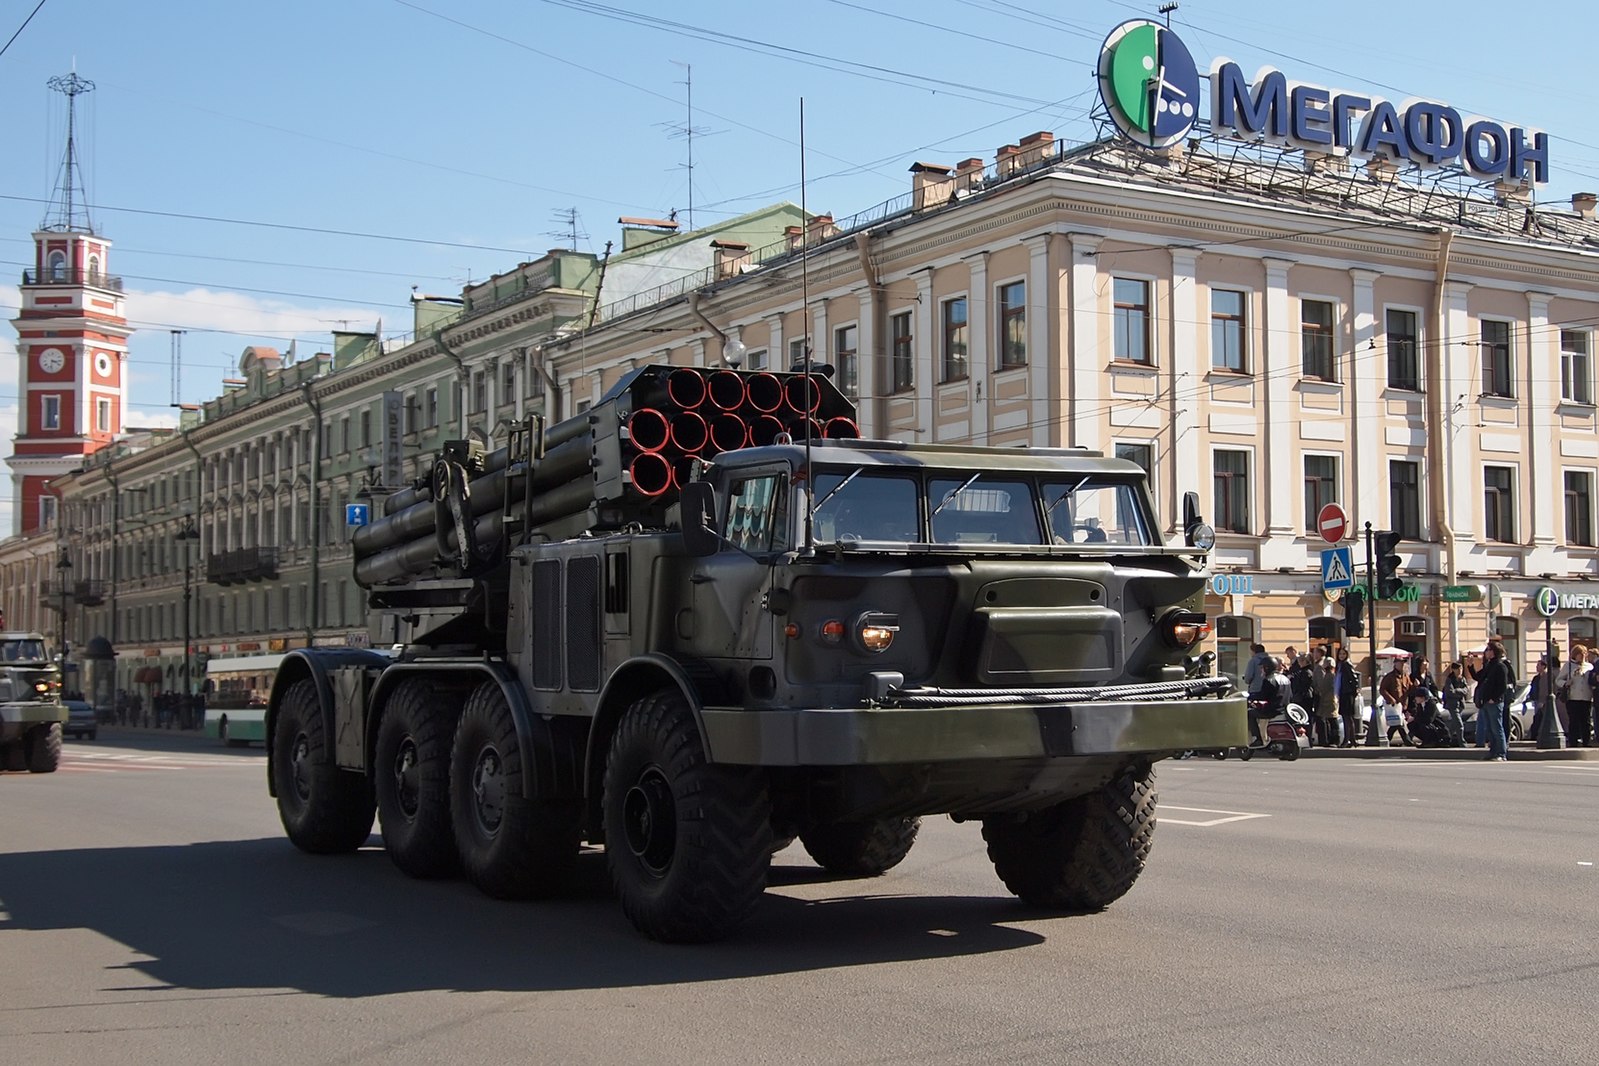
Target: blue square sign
356,514
1337,569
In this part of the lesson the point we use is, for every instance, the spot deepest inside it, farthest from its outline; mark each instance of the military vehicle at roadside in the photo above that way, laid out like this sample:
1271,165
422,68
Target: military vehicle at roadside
31,712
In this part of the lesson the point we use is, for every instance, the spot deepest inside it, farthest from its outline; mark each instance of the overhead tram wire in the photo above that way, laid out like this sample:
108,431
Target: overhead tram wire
13,39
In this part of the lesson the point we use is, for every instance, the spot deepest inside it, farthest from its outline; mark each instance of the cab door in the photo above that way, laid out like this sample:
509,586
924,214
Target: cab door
730,586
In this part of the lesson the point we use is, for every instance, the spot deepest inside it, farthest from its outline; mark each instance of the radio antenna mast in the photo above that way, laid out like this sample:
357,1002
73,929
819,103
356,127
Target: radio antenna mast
805,310
70,199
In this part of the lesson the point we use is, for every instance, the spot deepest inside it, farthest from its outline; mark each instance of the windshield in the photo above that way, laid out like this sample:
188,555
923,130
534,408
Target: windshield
1089,511
862,506
22,651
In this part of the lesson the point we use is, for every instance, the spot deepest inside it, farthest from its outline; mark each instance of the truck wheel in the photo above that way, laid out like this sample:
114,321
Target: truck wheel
1080,855
510,847
44,748
861,849
688,843
324,810
411,775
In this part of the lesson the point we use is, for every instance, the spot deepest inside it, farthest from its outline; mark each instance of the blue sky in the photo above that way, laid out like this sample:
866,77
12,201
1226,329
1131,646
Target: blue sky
246,159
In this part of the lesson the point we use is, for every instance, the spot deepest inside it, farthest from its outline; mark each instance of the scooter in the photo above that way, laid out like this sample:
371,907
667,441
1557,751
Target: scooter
1284,735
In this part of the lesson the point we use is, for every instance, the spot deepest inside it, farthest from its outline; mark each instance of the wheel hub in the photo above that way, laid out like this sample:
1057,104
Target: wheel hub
649,816
300,767
488,790
407,778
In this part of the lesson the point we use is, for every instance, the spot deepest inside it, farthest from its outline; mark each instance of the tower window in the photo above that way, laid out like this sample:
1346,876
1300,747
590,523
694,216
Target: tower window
58,266
50,416
102,415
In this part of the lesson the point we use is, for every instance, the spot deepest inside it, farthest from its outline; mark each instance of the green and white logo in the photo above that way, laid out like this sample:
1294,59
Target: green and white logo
1546,600
1149,83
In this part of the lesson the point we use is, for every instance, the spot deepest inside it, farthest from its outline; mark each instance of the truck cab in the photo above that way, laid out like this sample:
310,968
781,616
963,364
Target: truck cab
31,712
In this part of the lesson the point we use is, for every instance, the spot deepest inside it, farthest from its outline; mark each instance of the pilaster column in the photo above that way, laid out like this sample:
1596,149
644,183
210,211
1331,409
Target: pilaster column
776,353
1188,466
1081,410
1544,485
979,360
1463,487
926,343
1043,309
1276,378
866,362
1368,375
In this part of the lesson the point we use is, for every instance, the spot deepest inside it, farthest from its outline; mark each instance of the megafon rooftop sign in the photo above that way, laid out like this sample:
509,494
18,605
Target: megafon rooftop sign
1151,86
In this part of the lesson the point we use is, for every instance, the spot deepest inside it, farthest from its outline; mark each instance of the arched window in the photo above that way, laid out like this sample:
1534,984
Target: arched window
94,270
1234,634
58,266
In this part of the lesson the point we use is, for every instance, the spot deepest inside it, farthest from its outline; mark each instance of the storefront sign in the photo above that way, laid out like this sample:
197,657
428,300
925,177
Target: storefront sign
250,645
1547,601
1150,85
278,644
152,653
1232,584
1460,593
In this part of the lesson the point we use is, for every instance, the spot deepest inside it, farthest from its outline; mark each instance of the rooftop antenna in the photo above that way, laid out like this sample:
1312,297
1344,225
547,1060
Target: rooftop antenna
805,309
1166,9
568,218
177,364
687,130
70,200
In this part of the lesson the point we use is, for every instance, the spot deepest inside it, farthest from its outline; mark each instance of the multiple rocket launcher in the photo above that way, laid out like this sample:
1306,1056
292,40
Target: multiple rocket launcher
620,462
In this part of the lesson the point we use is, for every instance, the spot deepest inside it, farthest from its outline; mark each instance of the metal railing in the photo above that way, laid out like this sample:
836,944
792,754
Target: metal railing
241,564
92,278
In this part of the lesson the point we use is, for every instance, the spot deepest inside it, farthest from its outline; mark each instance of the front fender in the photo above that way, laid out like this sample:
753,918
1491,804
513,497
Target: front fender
632,681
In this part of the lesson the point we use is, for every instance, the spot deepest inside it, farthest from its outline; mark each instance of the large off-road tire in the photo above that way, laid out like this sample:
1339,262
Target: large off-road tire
43,745
688,843
1080,855
861,849
324,810
510,846
411,776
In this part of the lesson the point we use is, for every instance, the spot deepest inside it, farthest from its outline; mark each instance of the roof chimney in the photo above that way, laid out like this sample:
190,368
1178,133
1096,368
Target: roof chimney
1037,147
728,257
1008,160
968,175
818,228
1585,203
931,186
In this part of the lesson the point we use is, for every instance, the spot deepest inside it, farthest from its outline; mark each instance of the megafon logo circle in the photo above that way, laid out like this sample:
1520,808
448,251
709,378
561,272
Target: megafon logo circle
1149,83
1546,600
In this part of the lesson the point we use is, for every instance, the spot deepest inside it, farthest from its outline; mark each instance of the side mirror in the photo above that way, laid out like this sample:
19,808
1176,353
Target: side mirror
1196,532
697,505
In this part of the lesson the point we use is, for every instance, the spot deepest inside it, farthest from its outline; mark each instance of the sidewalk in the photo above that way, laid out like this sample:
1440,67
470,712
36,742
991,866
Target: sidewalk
1520,751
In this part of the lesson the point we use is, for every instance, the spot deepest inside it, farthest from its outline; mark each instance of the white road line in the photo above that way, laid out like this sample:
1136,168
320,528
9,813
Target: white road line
1232,816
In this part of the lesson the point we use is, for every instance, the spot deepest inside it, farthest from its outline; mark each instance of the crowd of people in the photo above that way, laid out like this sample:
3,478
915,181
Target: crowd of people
1327,685
164,710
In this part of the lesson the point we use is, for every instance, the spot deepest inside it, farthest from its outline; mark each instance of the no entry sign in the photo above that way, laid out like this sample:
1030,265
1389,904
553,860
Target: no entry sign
1332,523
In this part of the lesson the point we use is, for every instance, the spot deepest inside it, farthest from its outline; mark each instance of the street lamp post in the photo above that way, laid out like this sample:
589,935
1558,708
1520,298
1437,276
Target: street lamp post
63,575
188,534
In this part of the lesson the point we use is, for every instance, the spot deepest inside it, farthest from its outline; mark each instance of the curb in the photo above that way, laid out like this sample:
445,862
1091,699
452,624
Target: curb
1517,754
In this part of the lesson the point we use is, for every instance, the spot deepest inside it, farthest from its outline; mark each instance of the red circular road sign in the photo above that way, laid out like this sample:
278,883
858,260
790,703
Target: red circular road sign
1332,523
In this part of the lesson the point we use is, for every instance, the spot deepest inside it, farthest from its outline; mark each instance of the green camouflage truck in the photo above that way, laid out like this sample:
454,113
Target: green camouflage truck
31,712
700,621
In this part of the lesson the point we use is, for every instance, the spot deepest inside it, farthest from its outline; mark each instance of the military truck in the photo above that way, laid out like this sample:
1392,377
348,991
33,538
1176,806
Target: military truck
704,619
31,712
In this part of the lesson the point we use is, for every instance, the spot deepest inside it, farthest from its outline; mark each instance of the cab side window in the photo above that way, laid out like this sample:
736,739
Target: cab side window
757,514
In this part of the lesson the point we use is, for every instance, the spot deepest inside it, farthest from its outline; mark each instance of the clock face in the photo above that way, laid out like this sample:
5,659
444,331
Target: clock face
51,360
102,364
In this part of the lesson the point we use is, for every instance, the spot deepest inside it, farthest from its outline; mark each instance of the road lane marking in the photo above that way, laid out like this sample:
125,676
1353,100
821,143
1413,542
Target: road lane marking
1232,816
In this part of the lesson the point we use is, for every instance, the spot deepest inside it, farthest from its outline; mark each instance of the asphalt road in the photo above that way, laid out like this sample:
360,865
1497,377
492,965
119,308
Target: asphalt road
1320,912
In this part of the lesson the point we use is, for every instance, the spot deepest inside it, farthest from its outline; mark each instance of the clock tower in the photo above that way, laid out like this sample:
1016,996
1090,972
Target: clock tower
72,346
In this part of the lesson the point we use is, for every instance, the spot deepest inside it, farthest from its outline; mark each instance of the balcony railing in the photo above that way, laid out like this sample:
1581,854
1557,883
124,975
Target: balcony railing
241,565
88,593
92,278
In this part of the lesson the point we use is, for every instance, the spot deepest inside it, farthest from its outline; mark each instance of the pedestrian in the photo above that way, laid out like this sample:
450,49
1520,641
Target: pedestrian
1395,691
1327,721
1534,696
1492,675
1346,689
1302,689
1579,696
1455,690
1254,669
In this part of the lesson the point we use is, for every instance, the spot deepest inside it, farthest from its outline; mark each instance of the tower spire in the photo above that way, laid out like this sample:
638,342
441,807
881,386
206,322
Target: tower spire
70,203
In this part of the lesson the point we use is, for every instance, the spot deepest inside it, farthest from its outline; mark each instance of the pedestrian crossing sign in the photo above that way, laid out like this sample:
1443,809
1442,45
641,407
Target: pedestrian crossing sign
1337,569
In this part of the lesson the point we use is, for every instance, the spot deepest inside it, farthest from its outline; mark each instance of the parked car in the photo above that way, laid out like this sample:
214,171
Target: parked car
81,720
1521,712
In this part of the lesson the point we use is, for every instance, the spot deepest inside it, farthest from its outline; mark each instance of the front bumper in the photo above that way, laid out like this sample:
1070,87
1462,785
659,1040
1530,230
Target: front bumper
17,718
930,732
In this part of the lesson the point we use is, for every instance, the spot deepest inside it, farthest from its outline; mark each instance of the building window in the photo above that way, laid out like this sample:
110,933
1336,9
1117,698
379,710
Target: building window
412,413
1498,504
1579,508
58,266
50,415
1584,631
1227,330
344,434
796,352
1131,343
1013,325
846,361
430,408
94,270
1316,340
1404,372
1142,454
1404,498
366,429
1321,487
954,367
1496,365
902,352
507,381
1576,373
1232,491
1235,634
48,507
102,415
757,359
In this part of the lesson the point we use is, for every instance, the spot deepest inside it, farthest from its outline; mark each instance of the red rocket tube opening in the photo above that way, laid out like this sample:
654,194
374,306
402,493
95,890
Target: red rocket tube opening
729,431
686,388
800,428
726,390
651,473
689,431
765,392
683,470
648,429
841,428
764,430
801,394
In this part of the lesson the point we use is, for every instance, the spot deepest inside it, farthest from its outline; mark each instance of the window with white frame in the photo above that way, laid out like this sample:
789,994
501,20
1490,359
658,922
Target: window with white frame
1130,342
756,359
902,352
796,352
846,360
1499,504
1227,330
954,353
49,508
1579,508
1012,324
1321,487
1316,340
1403,339
1231,485
1497,364
102,414
1404,498
50,412
1576,370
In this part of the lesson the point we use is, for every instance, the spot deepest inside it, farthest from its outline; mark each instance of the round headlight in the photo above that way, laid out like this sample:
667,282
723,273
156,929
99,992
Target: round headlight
875,631
1204,537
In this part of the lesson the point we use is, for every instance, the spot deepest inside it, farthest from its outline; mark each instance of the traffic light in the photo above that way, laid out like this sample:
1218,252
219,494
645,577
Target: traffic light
1354,612
1388,579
